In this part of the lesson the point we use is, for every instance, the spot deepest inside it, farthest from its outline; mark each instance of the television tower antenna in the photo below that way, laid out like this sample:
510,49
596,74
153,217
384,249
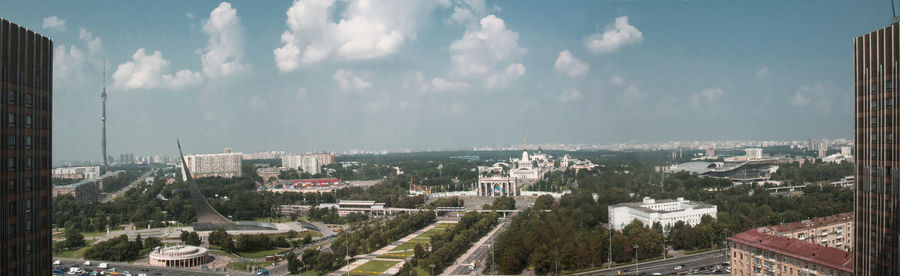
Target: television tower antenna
104,164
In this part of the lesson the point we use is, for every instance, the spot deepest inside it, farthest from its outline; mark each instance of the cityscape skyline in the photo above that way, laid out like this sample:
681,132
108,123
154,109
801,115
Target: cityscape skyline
608,73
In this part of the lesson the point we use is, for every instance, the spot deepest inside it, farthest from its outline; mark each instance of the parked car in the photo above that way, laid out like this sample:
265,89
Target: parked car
87,263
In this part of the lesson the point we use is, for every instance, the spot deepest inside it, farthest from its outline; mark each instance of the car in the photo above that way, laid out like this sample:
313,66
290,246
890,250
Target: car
657,273
87,263
57,262
694,270
144,269
677,267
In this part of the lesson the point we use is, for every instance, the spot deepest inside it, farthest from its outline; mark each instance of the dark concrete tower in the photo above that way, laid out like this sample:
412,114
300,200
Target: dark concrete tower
26,88
103,162
877,219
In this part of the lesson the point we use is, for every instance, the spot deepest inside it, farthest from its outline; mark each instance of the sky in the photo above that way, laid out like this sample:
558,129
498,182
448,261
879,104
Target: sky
332,75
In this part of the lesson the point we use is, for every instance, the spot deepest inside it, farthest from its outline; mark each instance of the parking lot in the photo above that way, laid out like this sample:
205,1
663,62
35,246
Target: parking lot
128,269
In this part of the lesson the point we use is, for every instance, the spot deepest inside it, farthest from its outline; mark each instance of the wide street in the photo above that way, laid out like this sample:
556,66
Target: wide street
137,269
111,196
667,266
482,250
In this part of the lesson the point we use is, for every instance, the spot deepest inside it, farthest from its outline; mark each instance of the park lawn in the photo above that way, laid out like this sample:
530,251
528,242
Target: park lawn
374,267
247,266
423,238
74,254
261,253
305,273
397,255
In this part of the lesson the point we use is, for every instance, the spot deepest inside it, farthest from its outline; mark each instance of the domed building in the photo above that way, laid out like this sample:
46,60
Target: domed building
179,256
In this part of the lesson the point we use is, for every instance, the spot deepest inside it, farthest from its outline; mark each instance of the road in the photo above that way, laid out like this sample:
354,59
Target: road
482,252
151,270
108,197
667,266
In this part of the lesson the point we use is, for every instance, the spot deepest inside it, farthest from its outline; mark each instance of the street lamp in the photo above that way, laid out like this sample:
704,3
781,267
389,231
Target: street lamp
432,269
636,260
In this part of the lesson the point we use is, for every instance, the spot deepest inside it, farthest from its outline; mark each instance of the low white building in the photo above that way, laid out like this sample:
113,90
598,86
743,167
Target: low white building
664,211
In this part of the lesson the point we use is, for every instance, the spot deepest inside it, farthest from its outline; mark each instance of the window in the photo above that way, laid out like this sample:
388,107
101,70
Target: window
29,121
29,141
874,154
12,209
11,97
11,187
29,162
889,120
874,138
874,105
11,163
874,121
29,100
888,155
890,85
11,119
28,228
874,88
11,141
890,139
28,184
28,206
889,103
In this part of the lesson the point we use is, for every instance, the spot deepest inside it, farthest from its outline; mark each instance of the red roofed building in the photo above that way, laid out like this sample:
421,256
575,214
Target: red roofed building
754,252
832,231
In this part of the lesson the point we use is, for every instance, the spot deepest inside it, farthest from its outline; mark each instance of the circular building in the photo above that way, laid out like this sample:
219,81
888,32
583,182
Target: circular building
179,256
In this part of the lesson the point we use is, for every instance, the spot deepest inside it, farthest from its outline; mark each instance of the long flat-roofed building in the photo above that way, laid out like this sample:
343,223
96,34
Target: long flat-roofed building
664,211
832,231
754,252
226,165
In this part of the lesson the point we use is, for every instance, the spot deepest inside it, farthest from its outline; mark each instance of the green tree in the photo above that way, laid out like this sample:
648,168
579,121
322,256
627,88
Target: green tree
74,239
544,202
152,242
293,263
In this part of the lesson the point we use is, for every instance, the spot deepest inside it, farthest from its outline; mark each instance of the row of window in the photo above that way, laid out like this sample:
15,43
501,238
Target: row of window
888,104
12,187
889,85
12,119
12,98
11,163
12,211
11,142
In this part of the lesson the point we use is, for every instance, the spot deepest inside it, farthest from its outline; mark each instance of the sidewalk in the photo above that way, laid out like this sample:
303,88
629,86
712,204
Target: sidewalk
364,258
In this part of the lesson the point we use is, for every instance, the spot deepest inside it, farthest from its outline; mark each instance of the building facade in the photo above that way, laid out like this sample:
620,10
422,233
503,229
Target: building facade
756,253
664,211
226,165
26,86
87,172
498,186
875,74
832,231
179,256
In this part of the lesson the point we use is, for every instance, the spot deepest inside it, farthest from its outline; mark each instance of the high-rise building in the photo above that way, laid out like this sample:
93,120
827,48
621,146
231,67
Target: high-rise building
26,86
226,165
875,62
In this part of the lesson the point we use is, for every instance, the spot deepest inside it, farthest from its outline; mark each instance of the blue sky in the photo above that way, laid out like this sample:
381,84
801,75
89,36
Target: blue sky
445,74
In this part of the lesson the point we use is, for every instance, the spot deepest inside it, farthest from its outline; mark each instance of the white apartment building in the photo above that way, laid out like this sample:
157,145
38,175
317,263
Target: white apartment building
310,163
754,153
664,211
87,172
225,165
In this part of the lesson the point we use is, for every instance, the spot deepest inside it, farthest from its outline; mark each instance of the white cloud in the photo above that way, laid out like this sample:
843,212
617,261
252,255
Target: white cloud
225,51
94,45
189,15
68,65
467,11
762,72
570,66
570,95
439,84
617,80
54,23
632,95
613,36
816,94
490,51
707,96
348,80
146,72
366,29
258,103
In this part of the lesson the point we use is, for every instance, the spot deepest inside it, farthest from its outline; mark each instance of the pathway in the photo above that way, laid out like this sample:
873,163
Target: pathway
362,259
